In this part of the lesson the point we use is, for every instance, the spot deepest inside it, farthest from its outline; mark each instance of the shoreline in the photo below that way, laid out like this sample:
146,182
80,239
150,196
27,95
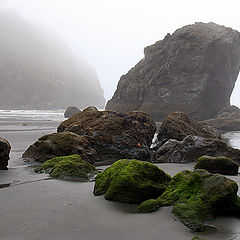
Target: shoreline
36,207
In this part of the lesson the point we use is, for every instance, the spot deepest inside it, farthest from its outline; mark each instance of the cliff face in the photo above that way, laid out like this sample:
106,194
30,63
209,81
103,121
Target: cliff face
39,71
193,70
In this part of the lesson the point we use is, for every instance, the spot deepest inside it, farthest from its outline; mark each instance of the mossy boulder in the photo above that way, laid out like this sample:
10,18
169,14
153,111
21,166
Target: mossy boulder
221,165
131,181
197,238
198,196
113,135
66,167
148,206
60,144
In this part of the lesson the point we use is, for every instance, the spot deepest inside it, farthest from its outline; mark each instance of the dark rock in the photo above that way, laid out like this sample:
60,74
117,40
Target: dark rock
221,165
131,181
199,196
70,111
178,125
39,71
60,144
228,119
193,147
67,167
5,148
193,70
225,122
113,135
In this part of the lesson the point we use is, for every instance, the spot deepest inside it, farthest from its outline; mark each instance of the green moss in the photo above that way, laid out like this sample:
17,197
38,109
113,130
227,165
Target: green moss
72,166
131,181
197,238
148,206
222,165
198,196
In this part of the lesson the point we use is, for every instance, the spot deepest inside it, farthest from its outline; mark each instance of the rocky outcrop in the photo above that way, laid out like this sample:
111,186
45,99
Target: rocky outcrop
193,70
113,135
228,119
199,196
60,144
193,147
70,111
68,167
131,181
39,71
5,148
222,165
178,125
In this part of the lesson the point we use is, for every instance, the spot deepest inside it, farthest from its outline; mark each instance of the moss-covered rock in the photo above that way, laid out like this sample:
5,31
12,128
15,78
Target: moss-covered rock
222,165
72,166
131,181
197,238
60,144
148,206
199,195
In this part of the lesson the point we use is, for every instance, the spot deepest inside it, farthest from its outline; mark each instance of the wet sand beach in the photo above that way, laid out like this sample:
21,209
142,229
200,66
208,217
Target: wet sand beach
35,207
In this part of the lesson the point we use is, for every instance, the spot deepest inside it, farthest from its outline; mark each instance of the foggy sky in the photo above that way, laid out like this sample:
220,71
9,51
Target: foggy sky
111,35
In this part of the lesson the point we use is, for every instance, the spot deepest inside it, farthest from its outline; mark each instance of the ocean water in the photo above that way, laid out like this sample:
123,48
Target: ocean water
18,120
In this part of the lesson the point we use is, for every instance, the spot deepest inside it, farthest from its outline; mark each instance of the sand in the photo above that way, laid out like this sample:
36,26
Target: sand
34,207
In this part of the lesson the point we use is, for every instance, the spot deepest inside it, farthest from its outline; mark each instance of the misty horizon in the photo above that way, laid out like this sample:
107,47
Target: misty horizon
111,36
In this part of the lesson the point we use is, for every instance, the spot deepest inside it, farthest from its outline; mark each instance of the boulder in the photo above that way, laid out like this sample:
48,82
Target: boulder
131,181
178,125
70,111
5,148
228,119
222,165
60,144
67,167
193,147
199,196
113,135
194,70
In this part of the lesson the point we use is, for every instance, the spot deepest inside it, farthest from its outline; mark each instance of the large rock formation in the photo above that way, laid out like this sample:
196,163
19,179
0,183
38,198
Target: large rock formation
113,135
193,70
39,71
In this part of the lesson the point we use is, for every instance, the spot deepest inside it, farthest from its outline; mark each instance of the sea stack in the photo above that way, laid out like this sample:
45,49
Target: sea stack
193,70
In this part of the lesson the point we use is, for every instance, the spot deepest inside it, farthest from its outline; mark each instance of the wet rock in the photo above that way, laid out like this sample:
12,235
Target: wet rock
222,165
70,111
131,181
194,70
113,135
67,167
5,148
193,147
178,125
60,144
199,196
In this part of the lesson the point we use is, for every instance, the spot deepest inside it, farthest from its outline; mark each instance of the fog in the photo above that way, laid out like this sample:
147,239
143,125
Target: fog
111,35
